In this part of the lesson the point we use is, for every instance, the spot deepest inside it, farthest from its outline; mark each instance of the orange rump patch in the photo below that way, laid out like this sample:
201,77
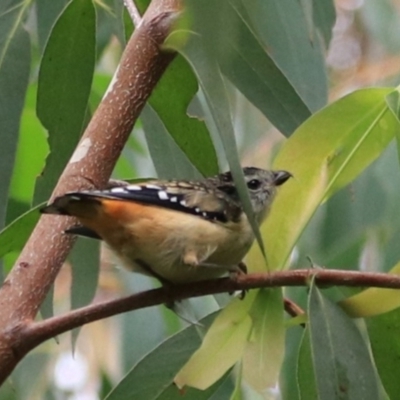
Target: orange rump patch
112,213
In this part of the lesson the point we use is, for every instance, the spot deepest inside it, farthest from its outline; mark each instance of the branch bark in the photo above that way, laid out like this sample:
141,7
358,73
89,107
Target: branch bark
141,67
34,333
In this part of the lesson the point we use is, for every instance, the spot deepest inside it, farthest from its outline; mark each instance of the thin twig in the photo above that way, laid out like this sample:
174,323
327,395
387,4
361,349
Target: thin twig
292,308
133,12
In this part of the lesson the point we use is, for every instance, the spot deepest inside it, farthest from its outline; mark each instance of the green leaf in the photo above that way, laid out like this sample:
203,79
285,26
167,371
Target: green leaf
169,160
324,16
393,102
283,29
383,332
341,361
65,78
85,262
30,158
47,13
373,301
170,101
222,346
383,24
220,390
15,60
249,67
326,153
305,375
14,236
237,392
263,355
152,376
244,59
109,15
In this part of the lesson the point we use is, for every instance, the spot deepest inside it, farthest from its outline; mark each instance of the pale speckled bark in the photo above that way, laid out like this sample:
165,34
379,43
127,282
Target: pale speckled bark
26,286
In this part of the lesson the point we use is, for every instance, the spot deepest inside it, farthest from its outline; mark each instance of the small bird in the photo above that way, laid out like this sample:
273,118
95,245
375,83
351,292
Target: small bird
177,231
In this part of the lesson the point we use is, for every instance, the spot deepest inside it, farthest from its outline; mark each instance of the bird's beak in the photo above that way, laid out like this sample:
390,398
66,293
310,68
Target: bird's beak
281,177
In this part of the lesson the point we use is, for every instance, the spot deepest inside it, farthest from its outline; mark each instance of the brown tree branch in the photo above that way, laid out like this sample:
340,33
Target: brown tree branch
34,333
141,66
292,308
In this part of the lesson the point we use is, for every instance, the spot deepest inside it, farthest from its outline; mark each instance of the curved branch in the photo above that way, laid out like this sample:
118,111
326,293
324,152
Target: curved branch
36,333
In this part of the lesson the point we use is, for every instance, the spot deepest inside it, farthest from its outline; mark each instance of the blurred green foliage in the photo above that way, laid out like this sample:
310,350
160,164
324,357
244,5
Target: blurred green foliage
254,75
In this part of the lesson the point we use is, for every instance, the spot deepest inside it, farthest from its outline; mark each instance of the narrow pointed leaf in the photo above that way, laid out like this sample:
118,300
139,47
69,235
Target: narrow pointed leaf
244,60
393,102
153,374
30,163
249,67
14,235
383,332
65,79
168,158
85,261
324,16
341,360
15,57
170,101
222,346
326,153
263,356
47,13
283,30
305,374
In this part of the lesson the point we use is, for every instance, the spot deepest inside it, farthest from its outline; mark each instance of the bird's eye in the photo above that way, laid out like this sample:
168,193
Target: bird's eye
254,184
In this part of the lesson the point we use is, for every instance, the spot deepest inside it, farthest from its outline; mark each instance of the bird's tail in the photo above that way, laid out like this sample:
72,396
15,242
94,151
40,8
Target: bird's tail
74,204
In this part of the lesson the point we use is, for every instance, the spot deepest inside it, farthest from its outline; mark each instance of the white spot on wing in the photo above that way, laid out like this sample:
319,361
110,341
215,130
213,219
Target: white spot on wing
133,187
197,209
183,203
118,190
150,186
162,194
81,151
173,199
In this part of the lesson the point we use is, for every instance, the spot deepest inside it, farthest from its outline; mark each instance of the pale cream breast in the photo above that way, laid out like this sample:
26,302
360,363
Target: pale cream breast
165,241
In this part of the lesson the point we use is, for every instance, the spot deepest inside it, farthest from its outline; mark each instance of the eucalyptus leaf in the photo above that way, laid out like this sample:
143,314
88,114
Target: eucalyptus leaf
341,361
15,58
65,78
169,160
152,376
383,334
304,373
325,153
14,235
221,348
85,262
170,100
263,355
